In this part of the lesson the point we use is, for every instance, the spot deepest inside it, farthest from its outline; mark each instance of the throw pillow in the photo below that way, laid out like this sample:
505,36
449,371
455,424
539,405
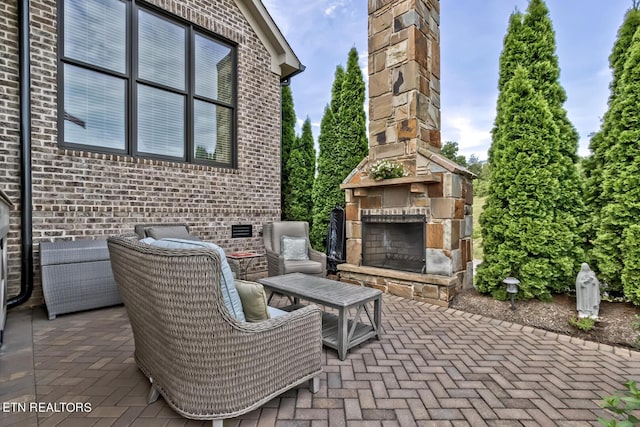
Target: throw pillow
254,300
230,295
294,248
169,232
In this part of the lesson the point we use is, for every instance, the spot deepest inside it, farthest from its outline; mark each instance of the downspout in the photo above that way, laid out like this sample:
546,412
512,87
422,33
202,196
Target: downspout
26,223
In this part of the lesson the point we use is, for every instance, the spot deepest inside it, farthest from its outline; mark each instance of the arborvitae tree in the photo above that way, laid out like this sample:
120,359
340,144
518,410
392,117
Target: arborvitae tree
521,232
300,169
538,241
326,187
541,63
621,182
512,55
343,144
336,89
351,119
288,139
494,210
602,141
513,51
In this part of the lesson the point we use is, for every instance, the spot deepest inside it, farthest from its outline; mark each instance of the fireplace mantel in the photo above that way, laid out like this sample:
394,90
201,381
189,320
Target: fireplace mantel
425,179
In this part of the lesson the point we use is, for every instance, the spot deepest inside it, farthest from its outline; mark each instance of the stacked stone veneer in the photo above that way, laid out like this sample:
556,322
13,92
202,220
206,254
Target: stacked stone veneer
85,195
404,112
404,77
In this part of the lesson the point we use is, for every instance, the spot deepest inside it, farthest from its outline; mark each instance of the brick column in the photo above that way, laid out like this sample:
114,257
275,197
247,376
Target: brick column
404,78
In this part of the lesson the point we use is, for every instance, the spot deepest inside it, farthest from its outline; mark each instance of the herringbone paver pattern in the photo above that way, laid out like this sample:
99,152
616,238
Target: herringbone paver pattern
432,367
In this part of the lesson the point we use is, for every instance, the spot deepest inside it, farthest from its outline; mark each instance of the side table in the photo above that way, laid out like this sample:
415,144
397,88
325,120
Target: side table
244,260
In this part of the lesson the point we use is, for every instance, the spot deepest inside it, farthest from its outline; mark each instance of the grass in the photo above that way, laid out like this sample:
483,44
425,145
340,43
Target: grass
478,203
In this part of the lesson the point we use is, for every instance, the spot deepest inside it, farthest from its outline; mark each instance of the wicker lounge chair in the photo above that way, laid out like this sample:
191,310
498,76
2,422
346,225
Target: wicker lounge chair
205,363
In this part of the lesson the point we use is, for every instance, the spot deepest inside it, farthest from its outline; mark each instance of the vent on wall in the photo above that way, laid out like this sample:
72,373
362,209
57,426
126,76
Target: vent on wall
241,230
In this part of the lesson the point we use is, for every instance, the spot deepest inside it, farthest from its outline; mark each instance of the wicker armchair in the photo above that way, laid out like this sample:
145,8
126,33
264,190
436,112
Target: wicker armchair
205,363
276,264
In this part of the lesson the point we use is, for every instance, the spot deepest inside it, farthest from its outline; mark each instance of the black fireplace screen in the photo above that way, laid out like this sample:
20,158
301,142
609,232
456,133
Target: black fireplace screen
395,242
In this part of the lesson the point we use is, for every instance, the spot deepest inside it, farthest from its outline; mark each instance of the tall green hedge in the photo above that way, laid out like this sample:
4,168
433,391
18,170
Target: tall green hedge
520,231
621,180
343,144
602,141
631,268
288,140
541,62
351,119
326,193
300,170
533,213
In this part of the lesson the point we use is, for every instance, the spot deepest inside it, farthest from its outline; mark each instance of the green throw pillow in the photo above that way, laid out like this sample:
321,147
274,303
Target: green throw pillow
254,300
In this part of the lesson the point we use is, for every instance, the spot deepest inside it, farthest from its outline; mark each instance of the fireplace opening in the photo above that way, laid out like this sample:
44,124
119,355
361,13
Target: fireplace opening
394,242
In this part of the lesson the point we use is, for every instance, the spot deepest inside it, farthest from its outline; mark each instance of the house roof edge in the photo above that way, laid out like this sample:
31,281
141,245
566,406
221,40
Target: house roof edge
284,61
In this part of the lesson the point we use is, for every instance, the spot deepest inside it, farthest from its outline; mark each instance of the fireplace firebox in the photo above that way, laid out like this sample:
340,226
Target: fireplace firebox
394,242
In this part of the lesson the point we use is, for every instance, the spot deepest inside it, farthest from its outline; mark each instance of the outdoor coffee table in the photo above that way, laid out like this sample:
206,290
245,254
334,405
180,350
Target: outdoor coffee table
338,332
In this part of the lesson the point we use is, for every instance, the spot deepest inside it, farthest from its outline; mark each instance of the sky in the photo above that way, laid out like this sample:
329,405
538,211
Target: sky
321,32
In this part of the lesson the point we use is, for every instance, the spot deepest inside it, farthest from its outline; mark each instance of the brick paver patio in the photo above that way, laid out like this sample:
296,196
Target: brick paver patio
433,367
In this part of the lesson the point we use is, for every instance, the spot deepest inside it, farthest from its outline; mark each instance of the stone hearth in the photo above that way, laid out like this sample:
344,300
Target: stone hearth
404,126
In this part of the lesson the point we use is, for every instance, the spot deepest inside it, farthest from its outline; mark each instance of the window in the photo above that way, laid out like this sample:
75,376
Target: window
136,81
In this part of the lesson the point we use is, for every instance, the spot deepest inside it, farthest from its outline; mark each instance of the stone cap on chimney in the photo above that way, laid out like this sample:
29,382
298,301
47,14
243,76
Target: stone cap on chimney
446,163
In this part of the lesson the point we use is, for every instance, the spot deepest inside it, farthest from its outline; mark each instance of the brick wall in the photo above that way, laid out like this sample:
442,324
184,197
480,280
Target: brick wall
83,195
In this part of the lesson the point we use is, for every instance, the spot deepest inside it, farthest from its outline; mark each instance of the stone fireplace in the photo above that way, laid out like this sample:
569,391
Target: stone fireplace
408,236
394,241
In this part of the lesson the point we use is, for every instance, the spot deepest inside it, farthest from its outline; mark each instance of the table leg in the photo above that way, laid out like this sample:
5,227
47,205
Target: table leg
377,316
342,333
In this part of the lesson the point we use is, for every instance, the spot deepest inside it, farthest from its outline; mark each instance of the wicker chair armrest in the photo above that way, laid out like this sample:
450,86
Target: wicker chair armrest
319,257
289,345
275,262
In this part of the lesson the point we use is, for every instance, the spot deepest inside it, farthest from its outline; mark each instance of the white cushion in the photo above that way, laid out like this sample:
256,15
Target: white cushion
229,292
294,248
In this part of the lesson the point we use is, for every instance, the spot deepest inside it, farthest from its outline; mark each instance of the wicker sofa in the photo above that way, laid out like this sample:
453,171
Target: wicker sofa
206,364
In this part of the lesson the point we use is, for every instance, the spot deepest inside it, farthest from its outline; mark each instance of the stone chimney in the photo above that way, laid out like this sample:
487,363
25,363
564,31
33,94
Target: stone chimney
409,236
404,78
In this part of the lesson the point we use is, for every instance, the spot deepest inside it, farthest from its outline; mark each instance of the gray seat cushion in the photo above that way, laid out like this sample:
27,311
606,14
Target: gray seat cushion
170,232
306,267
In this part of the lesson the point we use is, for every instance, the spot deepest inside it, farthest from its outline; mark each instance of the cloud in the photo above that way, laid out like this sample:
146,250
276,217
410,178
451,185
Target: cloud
472,135
333,6
329,10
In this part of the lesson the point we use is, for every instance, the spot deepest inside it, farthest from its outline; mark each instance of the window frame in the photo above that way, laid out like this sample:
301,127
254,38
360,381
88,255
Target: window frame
132,80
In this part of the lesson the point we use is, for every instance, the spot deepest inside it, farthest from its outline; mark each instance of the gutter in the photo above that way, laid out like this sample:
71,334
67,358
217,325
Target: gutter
287,80
26,214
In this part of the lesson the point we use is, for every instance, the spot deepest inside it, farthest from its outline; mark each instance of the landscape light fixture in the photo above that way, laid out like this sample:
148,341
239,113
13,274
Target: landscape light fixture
512,288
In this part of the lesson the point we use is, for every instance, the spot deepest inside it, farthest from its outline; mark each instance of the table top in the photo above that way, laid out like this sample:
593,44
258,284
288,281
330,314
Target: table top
244,254
320,290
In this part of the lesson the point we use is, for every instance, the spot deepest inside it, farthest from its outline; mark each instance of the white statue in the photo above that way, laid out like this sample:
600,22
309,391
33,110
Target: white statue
587,293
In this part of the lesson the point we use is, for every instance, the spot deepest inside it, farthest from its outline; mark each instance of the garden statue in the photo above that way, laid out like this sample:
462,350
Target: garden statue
587,293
